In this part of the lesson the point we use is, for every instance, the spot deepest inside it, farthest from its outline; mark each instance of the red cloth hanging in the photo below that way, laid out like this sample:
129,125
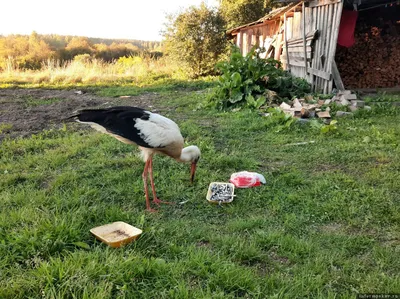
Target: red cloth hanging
347,27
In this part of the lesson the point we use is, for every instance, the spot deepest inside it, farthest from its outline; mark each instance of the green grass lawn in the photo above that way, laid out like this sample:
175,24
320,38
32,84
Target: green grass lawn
326,224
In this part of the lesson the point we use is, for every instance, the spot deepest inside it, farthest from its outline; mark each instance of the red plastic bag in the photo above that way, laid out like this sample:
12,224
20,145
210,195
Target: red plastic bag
347,27
245,179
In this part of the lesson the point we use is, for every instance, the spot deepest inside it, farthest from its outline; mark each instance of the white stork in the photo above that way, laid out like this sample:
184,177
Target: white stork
153,133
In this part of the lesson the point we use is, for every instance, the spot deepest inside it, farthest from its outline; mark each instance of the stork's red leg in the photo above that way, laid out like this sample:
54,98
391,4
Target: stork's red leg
153,188
146,190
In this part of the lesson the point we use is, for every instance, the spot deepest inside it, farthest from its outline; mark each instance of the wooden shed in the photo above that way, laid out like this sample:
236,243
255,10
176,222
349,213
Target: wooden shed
303,35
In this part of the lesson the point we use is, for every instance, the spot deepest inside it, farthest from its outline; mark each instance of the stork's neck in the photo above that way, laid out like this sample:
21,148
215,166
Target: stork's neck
189,154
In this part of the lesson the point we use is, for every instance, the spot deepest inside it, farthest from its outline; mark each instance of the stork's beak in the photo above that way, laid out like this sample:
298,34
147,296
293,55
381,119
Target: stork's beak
192,171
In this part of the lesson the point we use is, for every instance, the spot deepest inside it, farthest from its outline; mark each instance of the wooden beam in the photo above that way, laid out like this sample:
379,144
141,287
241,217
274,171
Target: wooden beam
294,7
310,36
299,49
336,76
328,43
277,40
239,40
313,26
295,61
319,73
334,37
323,49
299,55
286,43
278,48
304,37
315,3
300,44
317,47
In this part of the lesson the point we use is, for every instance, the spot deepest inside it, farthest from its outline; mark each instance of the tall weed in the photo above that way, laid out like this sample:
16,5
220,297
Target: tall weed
252,81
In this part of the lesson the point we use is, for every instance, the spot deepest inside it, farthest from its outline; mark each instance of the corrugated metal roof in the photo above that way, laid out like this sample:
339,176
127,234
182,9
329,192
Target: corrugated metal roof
271,15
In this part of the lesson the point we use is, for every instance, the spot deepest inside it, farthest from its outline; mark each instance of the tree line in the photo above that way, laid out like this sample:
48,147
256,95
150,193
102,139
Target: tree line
30,51
194,38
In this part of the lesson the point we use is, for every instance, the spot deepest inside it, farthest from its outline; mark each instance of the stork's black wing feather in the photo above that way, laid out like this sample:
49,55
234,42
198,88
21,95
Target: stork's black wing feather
118,120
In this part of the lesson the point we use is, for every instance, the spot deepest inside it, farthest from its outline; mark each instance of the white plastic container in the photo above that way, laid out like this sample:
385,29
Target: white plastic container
225,197
116,234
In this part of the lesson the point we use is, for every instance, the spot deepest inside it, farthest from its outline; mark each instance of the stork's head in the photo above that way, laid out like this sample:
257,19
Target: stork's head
191,154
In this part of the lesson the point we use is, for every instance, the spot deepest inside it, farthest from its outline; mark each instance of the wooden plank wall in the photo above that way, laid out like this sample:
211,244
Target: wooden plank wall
310,40
256,36
322,16
325,16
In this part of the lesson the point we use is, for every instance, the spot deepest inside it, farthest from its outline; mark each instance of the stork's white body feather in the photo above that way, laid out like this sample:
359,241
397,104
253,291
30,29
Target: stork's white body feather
159,131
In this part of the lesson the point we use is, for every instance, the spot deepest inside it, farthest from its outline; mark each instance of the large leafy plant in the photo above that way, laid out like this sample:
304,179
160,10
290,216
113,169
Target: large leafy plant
252,81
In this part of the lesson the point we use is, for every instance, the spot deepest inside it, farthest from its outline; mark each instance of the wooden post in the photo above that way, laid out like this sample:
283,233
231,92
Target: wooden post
318,42
244,43
328,46
286,43
324,51
249,39
239,41
334,37
313,16
304,38
336,76
277,40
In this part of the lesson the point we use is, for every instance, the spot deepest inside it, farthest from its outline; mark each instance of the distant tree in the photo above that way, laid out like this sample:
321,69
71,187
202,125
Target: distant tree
196,38
27,52
30,51
55,41
39,51
240,12
77,46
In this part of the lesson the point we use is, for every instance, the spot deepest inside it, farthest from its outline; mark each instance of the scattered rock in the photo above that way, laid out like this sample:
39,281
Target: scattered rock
285,106
343,113
358,103
305,113
353,108
344,92
344,101
350,96
367,107
303,109
297,104
323,114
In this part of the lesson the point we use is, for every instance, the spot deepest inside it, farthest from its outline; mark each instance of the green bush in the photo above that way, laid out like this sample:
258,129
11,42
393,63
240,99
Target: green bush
252,81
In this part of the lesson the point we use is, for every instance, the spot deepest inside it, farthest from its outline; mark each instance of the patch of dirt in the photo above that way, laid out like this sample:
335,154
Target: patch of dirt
279,259
28,111
203,243
332,228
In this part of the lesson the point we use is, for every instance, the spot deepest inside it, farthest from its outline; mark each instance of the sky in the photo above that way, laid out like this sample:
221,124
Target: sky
126,19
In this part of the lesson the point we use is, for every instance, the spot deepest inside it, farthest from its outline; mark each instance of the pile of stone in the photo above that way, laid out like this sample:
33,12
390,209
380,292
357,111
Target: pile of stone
308,107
